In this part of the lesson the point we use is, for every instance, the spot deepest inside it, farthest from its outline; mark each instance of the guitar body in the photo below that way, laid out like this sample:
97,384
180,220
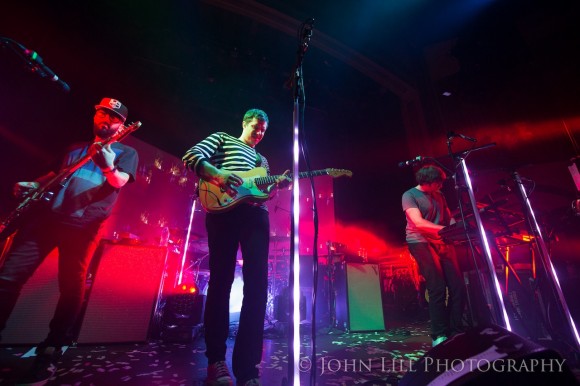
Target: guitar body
215,200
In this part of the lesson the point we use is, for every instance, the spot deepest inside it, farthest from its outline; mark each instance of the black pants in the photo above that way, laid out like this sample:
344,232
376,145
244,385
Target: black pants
30,247
247,227
438,265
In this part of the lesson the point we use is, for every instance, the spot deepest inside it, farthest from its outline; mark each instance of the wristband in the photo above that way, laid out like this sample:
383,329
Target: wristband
112,170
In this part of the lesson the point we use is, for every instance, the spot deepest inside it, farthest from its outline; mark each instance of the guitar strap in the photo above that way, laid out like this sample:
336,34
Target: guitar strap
258,159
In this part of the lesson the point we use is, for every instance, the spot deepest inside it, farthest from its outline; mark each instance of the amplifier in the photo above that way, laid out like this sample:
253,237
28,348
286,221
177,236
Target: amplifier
123,298
359,305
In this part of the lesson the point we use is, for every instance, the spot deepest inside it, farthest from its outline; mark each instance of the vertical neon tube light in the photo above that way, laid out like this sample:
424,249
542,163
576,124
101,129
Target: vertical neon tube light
185,248
296,242
507,270
546,260
488,257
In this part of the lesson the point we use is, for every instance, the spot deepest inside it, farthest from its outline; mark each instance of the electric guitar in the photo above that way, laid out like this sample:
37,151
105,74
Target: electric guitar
46,191
214,199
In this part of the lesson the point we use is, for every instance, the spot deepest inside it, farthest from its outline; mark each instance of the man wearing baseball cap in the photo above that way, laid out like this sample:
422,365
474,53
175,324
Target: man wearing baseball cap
70,222
114,106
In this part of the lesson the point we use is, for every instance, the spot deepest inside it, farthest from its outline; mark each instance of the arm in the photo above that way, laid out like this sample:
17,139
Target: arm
104,157
115,177
197,159
427,228
281,182
22,188
223,178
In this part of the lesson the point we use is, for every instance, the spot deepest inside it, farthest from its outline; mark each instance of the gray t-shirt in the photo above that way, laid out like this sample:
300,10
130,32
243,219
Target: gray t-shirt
433,207
86,199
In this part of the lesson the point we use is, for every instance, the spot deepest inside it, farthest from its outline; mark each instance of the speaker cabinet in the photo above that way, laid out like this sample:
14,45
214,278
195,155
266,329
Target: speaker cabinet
126,283
489,356
479,298
359,305
28,323
323,317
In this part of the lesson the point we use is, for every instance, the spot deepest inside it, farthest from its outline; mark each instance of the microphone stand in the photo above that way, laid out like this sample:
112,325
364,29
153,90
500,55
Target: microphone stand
33,62
295,82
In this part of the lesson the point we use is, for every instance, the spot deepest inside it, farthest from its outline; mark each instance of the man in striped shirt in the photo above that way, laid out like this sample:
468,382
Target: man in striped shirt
217,158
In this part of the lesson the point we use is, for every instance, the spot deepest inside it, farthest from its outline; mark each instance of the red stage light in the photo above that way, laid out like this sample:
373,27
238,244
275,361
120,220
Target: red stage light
187,288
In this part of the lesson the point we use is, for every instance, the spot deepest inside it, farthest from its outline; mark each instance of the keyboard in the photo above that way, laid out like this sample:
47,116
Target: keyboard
457,233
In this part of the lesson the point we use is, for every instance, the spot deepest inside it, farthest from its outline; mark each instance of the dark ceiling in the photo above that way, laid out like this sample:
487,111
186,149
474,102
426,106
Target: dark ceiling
375,73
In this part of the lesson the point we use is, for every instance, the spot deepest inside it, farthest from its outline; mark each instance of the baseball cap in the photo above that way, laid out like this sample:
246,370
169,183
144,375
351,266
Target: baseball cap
115,106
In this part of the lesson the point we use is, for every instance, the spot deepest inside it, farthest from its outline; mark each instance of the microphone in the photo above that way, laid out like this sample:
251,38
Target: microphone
412,162
452,134
307,27
42,69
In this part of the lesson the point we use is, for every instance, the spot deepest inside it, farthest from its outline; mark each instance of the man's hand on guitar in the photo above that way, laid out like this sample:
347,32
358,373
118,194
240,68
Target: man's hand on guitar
228,181
282,182
103,156
21,189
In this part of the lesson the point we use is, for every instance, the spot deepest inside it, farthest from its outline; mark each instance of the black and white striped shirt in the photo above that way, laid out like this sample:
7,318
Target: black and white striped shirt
224,152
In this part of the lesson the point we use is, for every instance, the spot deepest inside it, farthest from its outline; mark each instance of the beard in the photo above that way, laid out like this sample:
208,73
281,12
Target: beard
103,131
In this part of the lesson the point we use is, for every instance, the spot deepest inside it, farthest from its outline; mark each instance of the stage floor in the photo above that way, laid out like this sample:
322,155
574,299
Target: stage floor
356,358
343,359
370,358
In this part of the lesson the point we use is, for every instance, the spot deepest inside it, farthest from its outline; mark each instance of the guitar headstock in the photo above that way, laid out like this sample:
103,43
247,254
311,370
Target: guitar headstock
335,173
123,132
126,130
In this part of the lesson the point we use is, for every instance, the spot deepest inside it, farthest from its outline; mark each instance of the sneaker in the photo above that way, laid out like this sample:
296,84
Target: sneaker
440,339
218,375
253,382
42,369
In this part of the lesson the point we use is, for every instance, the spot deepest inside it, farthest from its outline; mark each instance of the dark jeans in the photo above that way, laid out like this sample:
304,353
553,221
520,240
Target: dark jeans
249,228
30,247
438,265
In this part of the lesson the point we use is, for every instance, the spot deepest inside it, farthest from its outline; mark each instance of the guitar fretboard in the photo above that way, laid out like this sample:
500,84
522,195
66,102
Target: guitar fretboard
272,179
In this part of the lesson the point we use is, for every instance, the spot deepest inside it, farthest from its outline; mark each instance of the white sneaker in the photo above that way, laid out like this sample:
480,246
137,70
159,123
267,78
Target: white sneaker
218,375
440,339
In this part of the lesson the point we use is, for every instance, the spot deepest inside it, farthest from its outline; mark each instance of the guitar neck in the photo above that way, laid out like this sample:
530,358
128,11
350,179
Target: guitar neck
272,179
